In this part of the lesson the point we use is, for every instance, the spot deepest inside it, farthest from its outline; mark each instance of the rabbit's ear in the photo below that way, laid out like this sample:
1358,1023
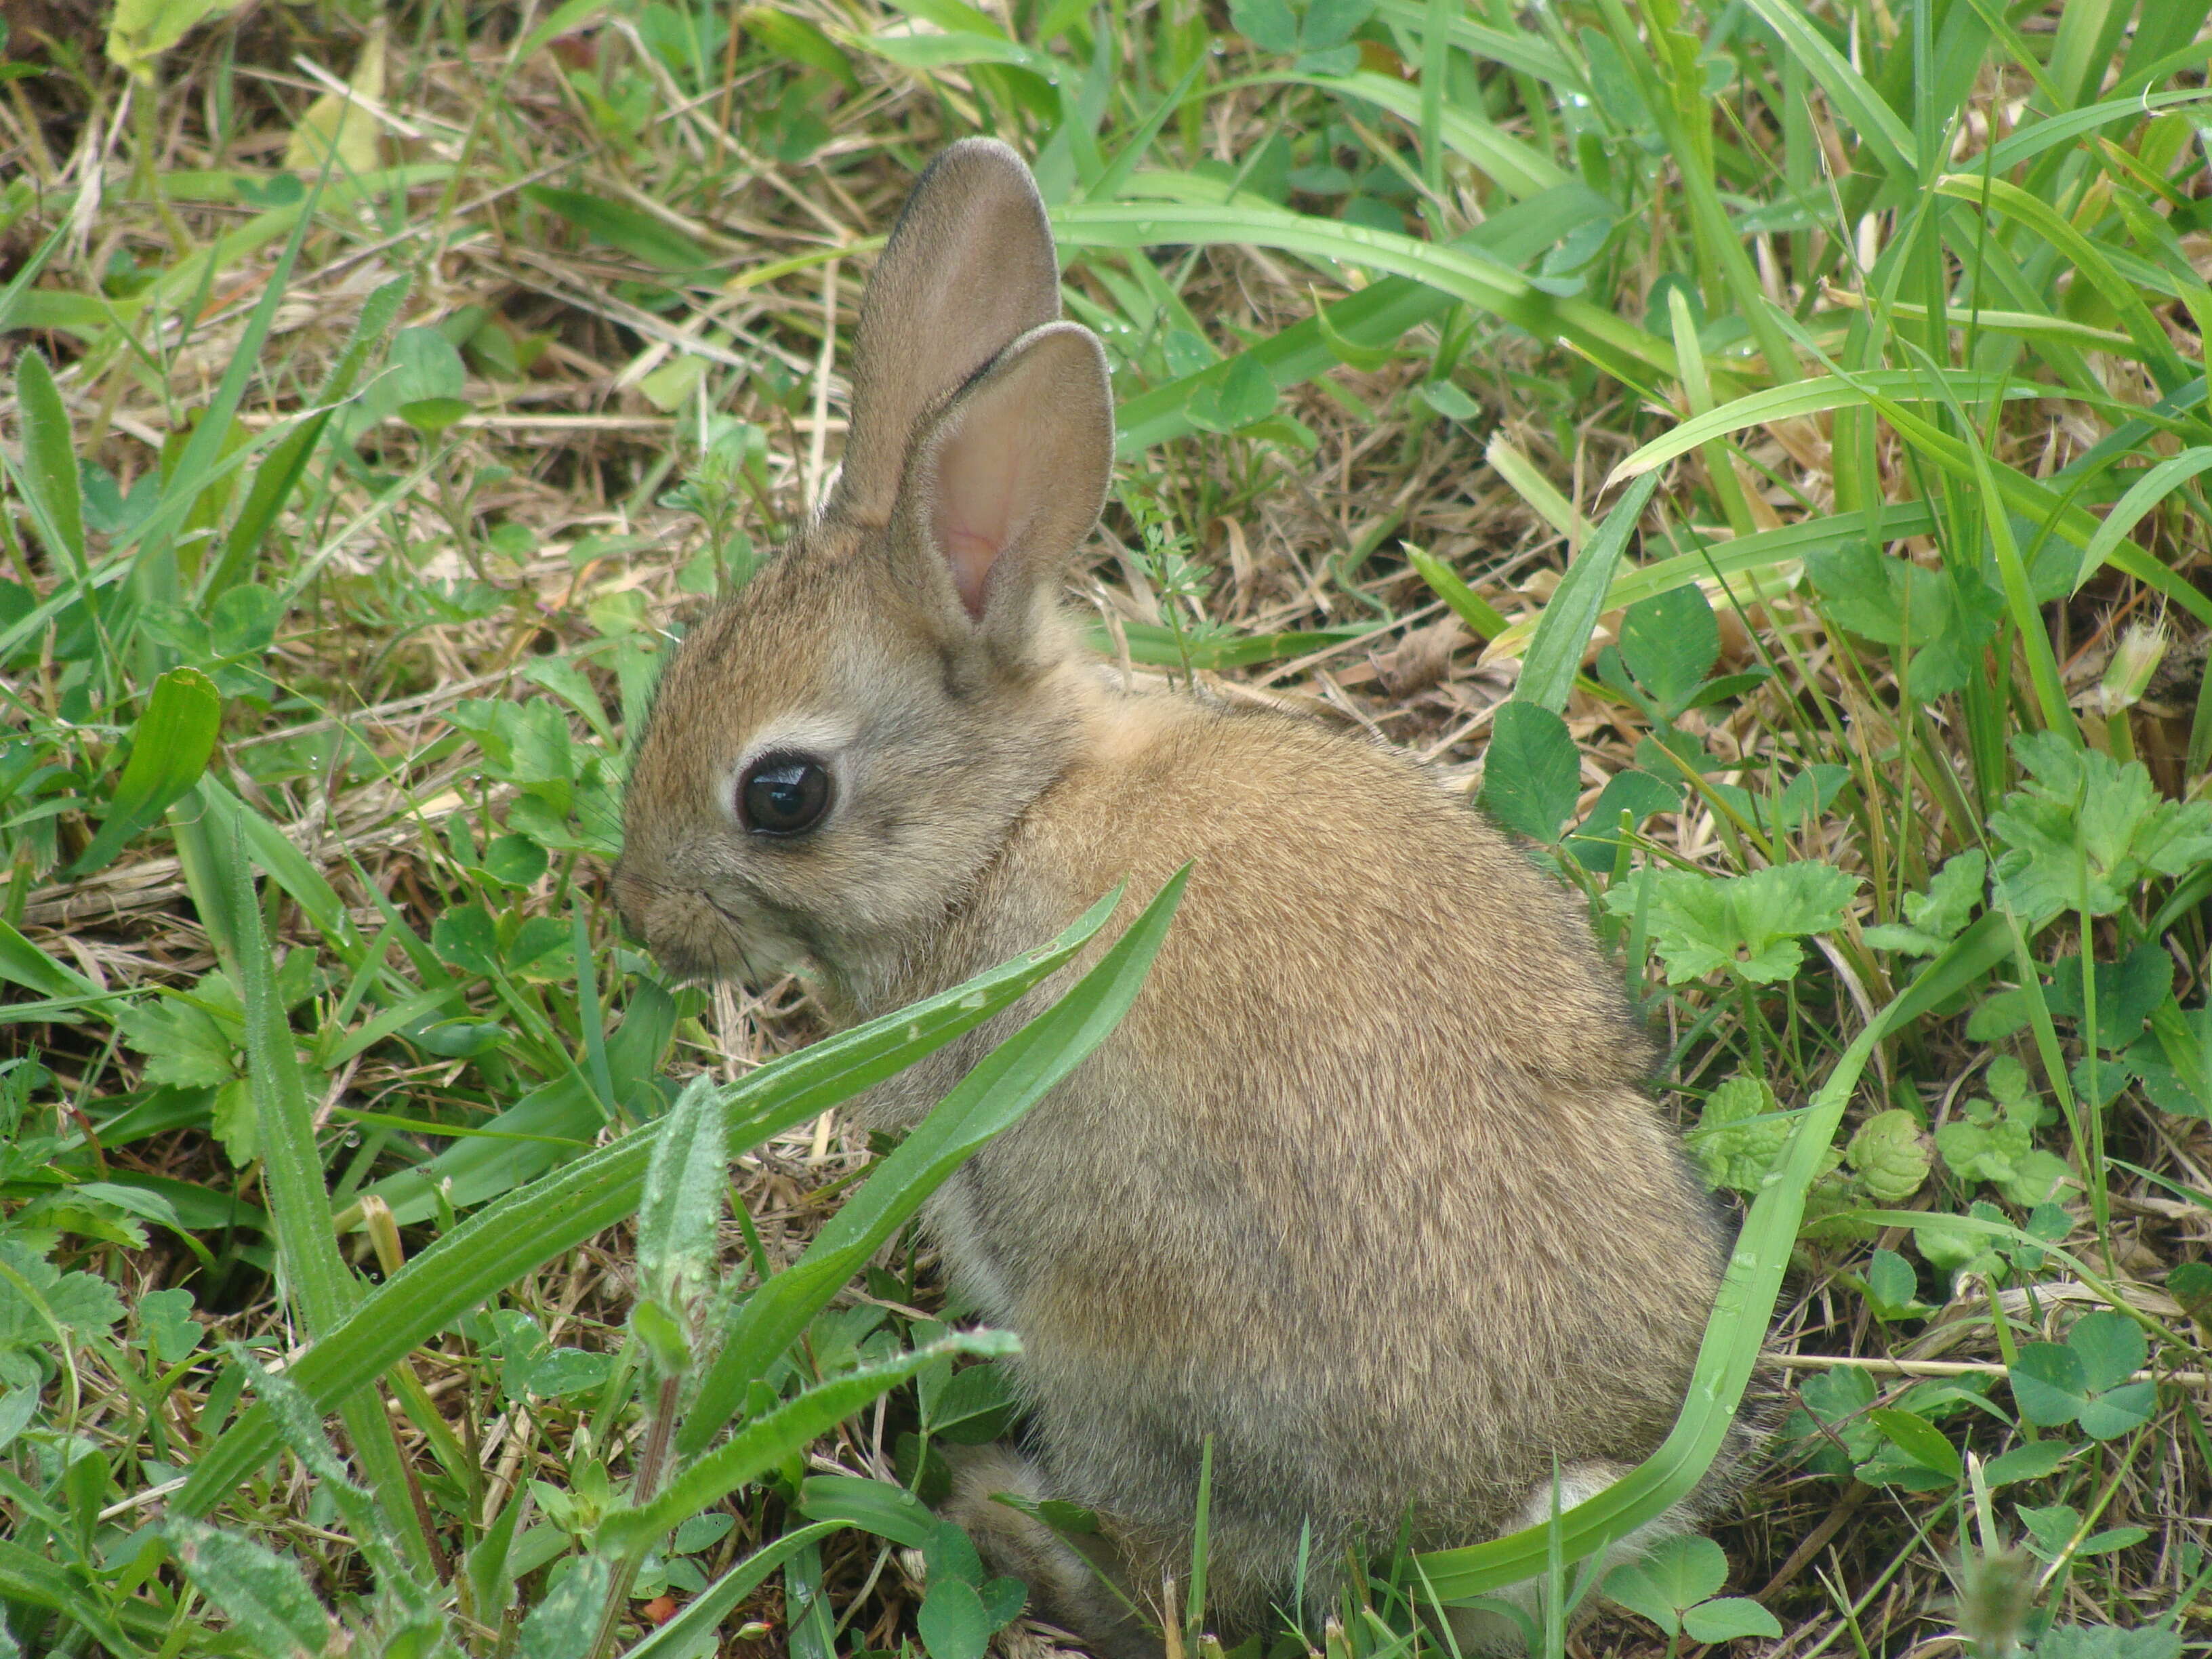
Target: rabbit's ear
969,268
1006,480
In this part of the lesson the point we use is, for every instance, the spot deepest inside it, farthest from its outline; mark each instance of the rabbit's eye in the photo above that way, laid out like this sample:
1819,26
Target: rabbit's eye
783,795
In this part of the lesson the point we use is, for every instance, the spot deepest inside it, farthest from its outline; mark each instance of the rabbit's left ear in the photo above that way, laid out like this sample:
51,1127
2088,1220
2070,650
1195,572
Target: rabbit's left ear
1006,480
969,268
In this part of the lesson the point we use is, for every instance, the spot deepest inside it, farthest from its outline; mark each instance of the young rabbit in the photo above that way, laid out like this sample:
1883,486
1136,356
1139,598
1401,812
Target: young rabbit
1364,1188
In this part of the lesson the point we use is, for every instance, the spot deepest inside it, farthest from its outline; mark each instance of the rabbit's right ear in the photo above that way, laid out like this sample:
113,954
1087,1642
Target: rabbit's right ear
968,269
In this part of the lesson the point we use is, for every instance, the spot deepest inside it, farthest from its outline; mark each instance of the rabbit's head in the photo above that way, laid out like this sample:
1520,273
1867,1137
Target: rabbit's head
834,756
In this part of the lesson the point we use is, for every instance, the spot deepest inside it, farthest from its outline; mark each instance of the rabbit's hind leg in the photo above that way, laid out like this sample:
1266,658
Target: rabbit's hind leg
1078,1584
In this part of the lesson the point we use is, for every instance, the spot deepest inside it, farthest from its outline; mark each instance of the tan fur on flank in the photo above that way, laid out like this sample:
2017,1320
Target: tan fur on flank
1365,1187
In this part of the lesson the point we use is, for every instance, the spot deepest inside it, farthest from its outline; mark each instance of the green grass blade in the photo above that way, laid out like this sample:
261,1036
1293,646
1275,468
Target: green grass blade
1005,1084
1436,69
1816,397
1518,169
1469,606
696,1631
1622,350
1879,126
322,1290
24,963
1519,49
769,1439
495,1246
1562,632
2146,493
2086,256
275,479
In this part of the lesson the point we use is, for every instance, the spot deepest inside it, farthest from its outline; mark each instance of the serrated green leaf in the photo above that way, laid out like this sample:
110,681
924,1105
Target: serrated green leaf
1889,1156
1748,924
2084,829
1740,1133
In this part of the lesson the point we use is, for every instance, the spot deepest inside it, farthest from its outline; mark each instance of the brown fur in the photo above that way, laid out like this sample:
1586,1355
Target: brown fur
1364,1188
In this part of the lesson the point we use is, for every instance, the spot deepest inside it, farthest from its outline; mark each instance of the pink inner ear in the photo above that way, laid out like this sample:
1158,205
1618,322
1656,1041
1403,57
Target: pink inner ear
978,485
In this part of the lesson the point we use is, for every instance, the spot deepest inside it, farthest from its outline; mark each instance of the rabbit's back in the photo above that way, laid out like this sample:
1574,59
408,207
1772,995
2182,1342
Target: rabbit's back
1362,1187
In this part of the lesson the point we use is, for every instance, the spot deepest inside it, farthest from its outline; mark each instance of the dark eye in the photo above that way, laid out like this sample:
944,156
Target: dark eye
783,795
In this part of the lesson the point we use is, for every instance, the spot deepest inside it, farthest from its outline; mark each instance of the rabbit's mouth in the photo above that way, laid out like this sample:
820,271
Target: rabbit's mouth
697,936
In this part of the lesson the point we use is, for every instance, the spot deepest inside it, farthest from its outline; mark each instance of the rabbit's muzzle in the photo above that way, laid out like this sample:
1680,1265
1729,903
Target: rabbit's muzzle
697,935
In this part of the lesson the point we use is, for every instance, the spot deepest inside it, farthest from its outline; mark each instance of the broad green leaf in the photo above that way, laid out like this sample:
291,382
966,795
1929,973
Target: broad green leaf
171,744
952,1622
874,1506
139,31
2112,1348
1670,642
2030,1461
2175,1061
49,472
1676,1573
681,1202
1890,1156
1727,1617
1919,1440
1531,772
1747,925
2083,829
340,129
1740,1134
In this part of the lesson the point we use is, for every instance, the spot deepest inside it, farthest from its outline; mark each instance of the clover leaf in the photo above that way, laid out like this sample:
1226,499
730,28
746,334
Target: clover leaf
1673,1585
2085,1380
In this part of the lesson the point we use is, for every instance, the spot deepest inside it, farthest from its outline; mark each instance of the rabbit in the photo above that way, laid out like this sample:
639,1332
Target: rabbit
1365,1189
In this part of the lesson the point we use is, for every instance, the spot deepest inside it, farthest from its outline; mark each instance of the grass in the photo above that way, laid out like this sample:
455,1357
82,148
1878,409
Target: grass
1755,450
